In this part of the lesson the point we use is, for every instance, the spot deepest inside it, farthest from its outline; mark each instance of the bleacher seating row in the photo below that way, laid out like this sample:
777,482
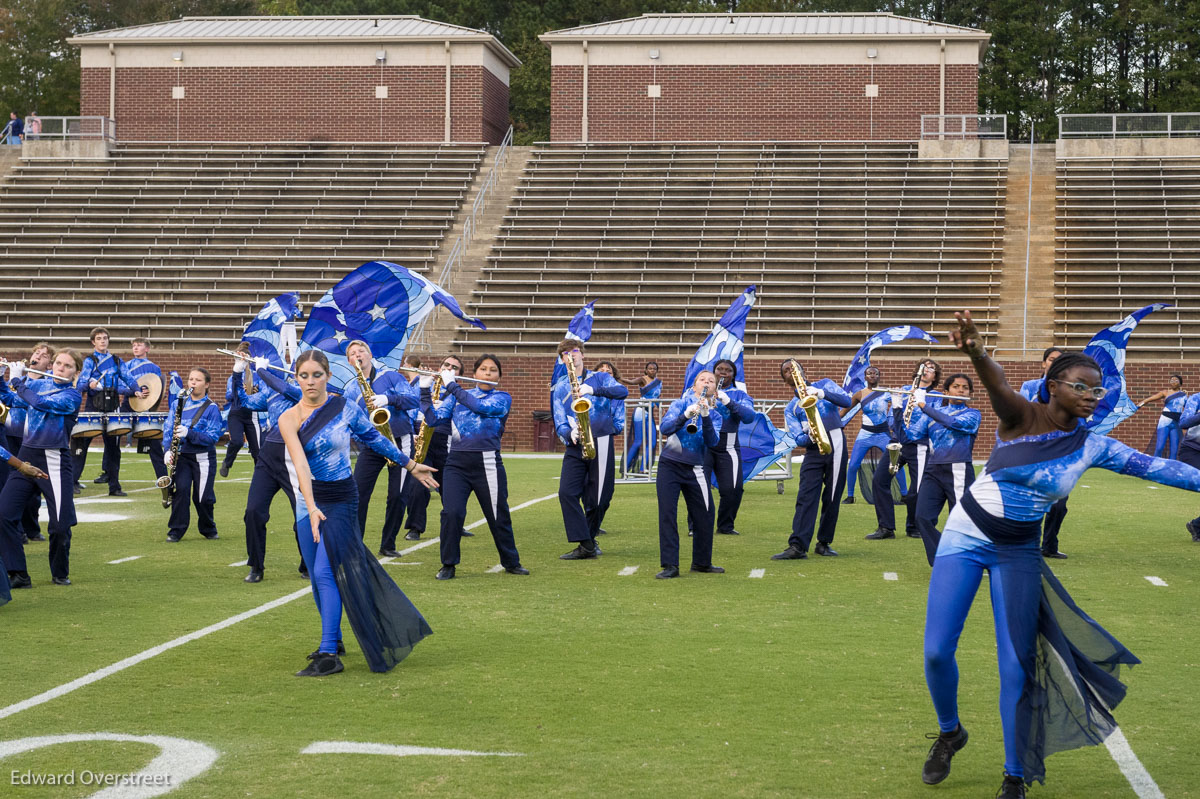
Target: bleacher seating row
842,239
186,242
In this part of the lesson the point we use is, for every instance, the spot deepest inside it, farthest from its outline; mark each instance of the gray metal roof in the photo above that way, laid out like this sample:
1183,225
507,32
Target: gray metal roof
776,26
306,29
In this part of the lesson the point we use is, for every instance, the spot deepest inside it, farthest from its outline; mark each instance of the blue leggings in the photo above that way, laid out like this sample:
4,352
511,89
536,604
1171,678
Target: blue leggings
325,589
1167,433
1015,581
861,445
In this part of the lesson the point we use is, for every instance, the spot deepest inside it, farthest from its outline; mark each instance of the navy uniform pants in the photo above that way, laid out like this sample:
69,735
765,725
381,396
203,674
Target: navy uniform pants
153,448
273,472
29,519
913,457
366,472
59,492
675,478
481,473
243,429
822,481
418,495
194,479
585,489
110,462
943,483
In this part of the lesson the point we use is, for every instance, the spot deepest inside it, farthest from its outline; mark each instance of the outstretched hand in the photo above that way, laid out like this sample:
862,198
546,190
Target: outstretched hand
424,475
966,338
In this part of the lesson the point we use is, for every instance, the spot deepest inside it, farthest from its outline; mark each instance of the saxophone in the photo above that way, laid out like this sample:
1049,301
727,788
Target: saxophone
582,406
380,417
425,434
816,427
167,482
910,405
248,384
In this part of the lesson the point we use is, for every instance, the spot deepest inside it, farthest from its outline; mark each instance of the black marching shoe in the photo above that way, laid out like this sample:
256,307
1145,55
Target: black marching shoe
825,550
224,470
412,535
945,745
791,553
117,493
1011,788
601,531
518,569
667,573
212,537
253,577
728,532
445,573
172,539
60,580
880,534
78,489
37,537
1194,530
323,664
709,569
467,534
580,553
848,501
19,580
1055,555
101,478
912,534
388,553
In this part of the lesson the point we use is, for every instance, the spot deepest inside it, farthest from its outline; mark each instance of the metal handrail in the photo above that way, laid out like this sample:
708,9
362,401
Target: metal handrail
1177,125
72,128
469,224
986,126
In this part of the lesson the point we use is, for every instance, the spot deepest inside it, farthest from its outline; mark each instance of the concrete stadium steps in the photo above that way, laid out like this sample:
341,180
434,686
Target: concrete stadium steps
841,239
1128,234
186,242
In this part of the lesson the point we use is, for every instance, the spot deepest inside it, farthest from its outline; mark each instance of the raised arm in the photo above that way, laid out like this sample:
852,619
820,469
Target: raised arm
1153,398
1013,410
1117,457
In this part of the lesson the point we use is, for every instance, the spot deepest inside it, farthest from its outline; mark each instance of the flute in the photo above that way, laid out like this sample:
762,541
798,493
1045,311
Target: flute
243,356
5,364
428,373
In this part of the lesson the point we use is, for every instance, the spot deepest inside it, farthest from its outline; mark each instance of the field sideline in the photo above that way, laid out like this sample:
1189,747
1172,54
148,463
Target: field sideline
806,681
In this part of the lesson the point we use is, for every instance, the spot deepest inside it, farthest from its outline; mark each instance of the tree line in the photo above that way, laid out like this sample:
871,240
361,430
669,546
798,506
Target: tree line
1045,57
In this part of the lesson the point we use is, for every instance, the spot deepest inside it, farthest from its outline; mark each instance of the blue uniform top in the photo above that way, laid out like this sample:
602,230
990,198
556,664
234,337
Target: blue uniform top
916,432
951,428
1189,420
1030,388
275,396
652,390
15,424
233,396
401,397
876,413
1173,405
110,370
414,414
326,435
1024,477
681,446
476,416
740,409
51,411
5,454
607,400
797,419
203,420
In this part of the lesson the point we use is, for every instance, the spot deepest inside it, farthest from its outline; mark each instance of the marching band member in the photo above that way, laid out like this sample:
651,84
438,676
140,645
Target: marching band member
872,431
242,421
392,391
912,455
439,448
585,486
1030,388
681,470
1052,524
20,467
477,417
198,430
1189,449
140,365
822,477
317,435
645,427
41,359
107,381
735,407
952,427
618,412
1167,432
52,404
1058,667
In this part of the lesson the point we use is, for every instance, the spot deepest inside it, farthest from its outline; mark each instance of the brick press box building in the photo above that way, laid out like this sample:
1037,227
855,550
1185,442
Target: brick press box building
299,79
759,77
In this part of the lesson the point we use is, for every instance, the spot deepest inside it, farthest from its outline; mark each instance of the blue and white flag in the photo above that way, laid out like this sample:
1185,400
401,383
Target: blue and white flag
855,375
1108,348
380,303
265,335
724,343
580,329
760,444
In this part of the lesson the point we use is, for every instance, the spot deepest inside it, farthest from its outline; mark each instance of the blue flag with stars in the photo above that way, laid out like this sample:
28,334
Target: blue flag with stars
760,444
264,334
1108,348
855,375
724,343
580,329
380,303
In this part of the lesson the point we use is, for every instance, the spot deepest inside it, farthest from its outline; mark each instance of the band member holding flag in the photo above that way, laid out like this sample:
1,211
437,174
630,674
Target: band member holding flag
587,478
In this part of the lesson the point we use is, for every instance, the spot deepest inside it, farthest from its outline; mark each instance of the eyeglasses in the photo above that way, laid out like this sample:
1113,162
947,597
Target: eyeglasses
451,366
1083,389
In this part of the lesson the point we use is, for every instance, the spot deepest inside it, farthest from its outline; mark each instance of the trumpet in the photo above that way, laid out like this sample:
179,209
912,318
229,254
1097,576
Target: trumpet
816,427
893,450
429,373
582,406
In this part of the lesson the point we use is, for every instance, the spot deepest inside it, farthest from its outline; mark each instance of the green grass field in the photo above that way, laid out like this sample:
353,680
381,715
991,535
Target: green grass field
807,682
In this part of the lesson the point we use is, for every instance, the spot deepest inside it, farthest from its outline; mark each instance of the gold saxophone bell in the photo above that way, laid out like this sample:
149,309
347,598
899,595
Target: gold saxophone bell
582,407
808,404
893,451
380,416
3,413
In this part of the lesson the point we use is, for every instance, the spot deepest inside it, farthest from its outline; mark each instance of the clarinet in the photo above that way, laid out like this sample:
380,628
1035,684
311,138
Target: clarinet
167,482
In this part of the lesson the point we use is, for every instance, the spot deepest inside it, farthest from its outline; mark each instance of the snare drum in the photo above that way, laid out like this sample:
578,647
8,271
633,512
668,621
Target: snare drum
148,425
89,425
120,424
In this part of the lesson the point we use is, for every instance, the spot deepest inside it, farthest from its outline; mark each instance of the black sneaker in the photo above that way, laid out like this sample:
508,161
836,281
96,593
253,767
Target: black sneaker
412,535
937,763
667,573
172,539
117,493
518,569
37,537
825,550
101,478
848,501
212,537
60,581
445,573
224,470
1011,788
18,580
880,534
579,553
467,534
730,531
912,534
341,650
1055,555
791,553
322,665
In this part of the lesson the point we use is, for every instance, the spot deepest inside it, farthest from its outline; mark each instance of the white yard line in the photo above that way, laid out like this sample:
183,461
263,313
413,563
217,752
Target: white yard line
757,574
627,571
123,560
1157,581
240,563
349,747
891,576
121,665
1139,779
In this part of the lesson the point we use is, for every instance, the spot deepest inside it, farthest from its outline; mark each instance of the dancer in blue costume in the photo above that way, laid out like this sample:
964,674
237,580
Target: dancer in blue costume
876,409
645,430
1058,667
1168,431
317,434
